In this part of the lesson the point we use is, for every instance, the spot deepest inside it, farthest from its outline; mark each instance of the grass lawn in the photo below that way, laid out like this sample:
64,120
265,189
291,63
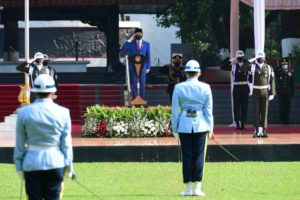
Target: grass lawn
238,180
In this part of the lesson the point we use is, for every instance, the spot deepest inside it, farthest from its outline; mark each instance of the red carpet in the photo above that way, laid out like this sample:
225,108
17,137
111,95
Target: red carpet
76,97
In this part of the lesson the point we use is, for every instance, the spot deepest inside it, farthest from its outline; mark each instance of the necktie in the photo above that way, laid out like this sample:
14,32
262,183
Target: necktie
139,45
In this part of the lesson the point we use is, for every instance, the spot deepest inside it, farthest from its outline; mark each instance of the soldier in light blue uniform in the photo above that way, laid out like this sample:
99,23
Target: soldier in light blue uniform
43,152
192,120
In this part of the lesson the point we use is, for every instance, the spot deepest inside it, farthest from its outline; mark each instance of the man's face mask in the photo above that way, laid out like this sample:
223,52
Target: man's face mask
39,61
284,66
240,59
177,62
260,60
138,36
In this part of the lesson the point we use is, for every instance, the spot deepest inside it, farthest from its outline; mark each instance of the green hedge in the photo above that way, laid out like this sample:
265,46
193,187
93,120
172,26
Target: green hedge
102,121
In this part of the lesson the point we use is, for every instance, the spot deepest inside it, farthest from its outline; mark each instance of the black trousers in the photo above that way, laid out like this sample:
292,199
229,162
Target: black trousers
284,107
192,147
240,102
44,184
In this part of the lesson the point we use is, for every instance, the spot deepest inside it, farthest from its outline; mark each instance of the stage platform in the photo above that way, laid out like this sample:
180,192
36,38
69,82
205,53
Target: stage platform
283,144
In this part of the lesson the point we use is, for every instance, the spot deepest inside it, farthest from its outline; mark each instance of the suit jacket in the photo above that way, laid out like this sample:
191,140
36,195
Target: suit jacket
132,49
197,96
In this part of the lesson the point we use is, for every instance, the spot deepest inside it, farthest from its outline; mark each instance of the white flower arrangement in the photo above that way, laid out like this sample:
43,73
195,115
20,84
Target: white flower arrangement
127,122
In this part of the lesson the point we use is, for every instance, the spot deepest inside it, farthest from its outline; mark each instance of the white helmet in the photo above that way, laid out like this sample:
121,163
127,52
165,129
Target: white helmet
260,54
44,83
192,66
239,54
38,55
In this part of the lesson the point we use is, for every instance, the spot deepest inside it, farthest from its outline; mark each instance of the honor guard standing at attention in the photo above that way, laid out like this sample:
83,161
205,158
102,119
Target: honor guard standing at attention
43,153
136,46
36,67
175,72
241,90
192,124
263,81
285,89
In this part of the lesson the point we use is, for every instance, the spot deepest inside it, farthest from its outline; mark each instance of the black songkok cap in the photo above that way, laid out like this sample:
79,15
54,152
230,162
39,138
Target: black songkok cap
138,30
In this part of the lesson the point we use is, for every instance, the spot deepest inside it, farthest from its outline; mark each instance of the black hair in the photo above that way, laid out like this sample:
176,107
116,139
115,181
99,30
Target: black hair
42,94
191,74
138,30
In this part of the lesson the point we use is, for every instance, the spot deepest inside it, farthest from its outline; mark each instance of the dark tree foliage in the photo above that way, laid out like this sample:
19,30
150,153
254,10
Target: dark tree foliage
206,24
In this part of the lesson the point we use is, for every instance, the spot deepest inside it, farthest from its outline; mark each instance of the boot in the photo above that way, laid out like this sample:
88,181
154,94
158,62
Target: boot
242,125
256,132
189,190
197,189
237,127
264,133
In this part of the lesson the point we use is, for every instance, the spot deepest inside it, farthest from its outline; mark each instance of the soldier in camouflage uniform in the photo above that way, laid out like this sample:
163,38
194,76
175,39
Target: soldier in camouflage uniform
285,89
263,80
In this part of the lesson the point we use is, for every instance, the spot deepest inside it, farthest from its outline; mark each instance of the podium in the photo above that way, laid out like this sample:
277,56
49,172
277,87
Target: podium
138,62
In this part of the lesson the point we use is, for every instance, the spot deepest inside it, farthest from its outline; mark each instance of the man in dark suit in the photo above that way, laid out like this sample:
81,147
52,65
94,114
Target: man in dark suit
136,46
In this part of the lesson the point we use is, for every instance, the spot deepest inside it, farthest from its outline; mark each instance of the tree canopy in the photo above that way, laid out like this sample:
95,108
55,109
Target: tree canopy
206,24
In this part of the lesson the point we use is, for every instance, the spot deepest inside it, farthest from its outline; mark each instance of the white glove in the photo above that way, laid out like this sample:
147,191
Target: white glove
20,174
252,60
147,71
210,134
271,97
30,61
250,89
69,174
176,135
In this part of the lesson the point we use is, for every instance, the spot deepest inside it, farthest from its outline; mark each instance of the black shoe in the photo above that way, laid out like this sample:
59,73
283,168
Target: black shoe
255,134
237,125
242,126
265,134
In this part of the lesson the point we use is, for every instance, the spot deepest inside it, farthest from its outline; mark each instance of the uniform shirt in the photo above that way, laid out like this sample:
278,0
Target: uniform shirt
197,96
43,124
284,81
33,71
239,76
262,75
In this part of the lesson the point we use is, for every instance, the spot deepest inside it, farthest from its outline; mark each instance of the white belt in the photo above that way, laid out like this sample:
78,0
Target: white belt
41,148
260,87
241,83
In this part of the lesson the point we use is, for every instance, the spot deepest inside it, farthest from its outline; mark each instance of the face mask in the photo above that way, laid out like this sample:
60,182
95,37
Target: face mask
138,37
176,64
260,60
284,66
240,59
39,61
45,63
